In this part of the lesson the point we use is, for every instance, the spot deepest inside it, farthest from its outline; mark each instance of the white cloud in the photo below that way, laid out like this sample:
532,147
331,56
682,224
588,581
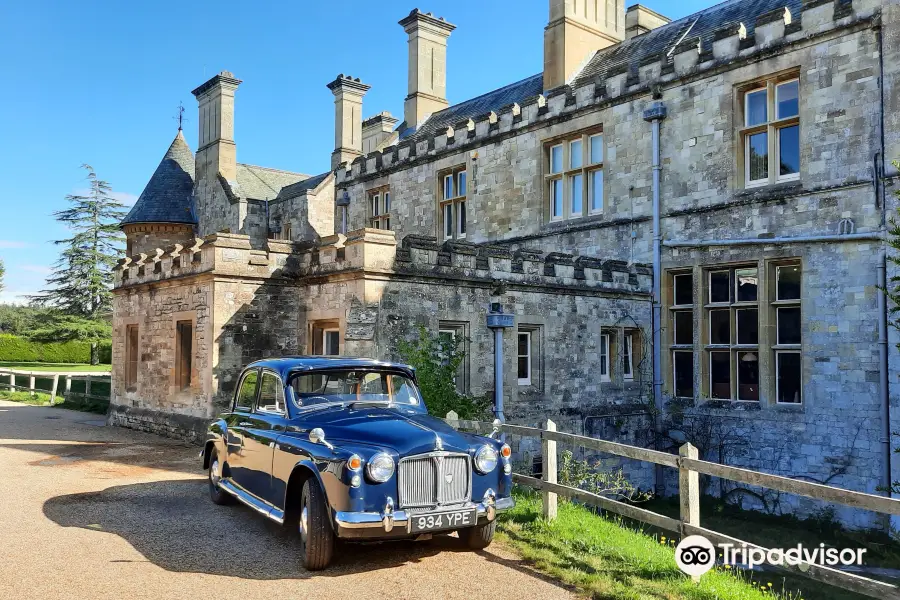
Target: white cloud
10,244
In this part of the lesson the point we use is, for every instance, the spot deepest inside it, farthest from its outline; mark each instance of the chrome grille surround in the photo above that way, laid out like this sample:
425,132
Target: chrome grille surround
422,480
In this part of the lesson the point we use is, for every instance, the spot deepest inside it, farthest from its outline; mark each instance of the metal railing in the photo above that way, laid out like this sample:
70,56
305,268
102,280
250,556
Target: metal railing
689,468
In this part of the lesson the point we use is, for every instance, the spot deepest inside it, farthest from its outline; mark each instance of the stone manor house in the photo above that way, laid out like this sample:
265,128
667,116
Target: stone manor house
685,218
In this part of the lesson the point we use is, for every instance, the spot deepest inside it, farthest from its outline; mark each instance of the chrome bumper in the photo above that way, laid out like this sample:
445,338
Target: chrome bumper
398,523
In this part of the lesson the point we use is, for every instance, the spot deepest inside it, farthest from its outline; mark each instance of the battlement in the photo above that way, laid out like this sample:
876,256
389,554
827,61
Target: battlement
377,251
619,84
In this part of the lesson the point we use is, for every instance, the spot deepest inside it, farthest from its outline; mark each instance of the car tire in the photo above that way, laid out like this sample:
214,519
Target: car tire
480,536
217,494
316,534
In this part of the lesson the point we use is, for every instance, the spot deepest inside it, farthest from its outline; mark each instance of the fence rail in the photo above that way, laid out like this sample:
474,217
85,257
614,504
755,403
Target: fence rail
54,376
689,468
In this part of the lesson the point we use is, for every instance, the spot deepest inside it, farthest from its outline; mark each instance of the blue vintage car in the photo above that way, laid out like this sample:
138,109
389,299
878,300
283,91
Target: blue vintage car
344,448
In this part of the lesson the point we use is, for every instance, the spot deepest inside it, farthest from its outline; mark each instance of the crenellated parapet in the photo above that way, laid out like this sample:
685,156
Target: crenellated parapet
691,57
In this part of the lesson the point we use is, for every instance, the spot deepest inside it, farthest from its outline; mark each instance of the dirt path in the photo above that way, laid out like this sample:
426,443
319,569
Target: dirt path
90,511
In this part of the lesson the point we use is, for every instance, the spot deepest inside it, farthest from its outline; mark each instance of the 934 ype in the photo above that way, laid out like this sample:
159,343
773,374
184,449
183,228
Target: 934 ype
343,448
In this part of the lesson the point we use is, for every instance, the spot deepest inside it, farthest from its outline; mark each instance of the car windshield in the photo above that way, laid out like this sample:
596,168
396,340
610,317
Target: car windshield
357,385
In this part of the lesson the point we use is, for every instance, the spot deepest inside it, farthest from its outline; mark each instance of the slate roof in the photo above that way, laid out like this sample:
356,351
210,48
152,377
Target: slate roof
299,188
260,183
660,41
169,195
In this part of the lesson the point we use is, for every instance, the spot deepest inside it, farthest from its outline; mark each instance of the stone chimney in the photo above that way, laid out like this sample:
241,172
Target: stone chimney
217,152
348,94
377,129
577,29
427,65
639,19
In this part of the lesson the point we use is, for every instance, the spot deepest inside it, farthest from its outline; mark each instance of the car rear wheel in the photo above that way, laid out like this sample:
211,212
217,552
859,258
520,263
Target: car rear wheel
217,494
316,535
480,536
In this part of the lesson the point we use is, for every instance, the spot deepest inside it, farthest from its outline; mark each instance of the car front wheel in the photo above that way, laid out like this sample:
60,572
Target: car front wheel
217,494
316,535
480,536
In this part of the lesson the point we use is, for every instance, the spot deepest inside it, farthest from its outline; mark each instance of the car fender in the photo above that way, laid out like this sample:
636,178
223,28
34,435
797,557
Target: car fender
215,438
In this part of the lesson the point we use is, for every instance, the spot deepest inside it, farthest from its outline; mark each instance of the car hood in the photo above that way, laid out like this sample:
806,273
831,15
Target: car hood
400,429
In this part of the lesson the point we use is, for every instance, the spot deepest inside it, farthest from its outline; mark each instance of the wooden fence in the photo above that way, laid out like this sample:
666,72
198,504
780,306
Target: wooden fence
689,468
15,375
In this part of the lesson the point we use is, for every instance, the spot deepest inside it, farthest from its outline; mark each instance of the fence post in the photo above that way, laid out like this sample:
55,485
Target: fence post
688,489
12,382
87,386
548,449
68,385
453,419
31,384
55,387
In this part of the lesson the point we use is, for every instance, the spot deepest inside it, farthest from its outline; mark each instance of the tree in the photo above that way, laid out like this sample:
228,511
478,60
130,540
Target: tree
893,286
2,273
81,281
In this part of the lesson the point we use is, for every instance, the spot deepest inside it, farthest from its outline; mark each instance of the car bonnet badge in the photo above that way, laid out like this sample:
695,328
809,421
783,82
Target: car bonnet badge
448,478
438,443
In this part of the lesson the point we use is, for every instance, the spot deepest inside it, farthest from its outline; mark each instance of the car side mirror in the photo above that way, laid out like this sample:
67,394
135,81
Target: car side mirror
496,428
317,436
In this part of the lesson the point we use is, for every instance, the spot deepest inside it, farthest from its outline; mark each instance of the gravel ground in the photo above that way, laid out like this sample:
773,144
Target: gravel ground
91,511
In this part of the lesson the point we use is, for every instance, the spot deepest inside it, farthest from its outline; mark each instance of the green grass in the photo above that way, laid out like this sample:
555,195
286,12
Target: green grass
609,559
72,403
25,366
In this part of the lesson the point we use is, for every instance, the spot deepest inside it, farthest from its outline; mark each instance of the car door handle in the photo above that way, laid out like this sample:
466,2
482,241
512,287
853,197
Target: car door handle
245,424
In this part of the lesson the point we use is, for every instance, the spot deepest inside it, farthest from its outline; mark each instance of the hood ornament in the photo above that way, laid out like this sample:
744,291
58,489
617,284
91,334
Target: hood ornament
438,443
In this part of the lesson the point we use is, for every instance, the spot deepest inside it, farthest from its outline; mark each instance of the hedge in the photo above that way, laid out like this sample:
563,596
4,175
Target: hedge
17,349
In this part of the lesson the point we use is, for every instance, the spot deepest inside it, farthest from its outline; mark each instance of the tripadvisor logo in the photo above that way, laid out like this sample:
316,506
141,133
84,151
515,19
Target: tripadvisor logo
695,555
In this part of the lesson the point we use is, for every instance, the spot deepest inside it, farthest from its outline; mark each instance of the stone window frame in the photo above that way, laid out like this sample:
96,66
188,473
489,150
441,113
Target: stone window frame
526,335
606,362
776,304
536,326
455,207
176,374
772,127
319,321
459,329
378,207
585,168
285,233
128,323
678,344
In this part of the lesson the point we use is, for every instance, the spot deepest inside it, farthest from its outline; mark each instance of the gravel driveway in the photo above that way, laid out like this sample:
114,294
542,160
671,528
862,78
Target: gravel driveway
91,511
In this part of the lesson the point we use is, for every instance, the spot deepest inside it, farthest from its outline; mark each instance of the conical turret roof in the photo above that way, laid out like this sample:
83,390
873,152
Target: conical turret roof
169,195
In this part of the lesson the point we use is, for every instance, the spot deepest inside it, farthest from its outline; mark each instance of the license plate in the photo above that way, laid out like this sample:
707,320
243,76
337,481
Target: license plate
446,520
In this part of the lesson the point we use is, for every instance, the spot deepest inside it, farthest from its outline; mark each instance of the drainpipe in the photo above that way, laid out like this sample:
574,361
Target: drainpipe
497,320
655,115
883,372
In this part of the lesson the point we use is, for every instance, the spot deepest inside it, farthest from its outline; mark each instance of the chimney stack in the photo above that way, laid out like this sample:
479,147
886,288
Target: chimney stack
348,94
427,65
577,29
217,152
639,20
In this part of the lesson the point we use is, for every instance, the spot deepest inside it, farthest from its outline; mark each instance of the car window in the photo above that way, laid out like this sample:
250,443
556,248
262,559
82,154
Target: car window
247,393
271,394
354,386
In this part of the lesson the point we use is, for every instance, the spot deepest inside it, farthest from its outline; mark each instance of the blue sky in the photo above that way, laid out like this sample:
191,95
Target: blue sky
98,82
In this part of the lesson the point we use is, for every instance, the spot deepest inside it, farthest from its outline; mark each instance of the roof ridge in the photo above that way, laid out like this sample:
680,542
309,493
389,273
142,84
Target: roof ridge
275,170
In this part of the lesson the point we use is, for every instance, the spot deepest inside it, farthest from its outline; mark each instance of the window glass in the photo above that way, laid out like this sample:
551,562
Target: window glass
719,286
331,342
461,211
247,393
604,356
746,283
789,150
596,149
596,190
684,374
789,325
556,159
448,187
556,198
748,376
684,327
788,365
271,394
387,202
627,353
354,386
448,220
684,289
575,155
577,194
720,327
757,111
524,357
720,375
461,183
758,156
788,287
747,326
787,99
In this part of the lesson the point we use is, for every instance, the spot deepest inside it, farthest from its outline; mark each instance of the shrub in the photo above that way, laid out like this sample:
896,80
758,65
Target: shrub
595,479
17,349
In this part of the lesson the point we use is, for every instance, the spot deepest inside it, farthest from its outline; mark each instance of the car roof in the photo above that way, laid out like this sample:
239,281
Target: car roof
288,364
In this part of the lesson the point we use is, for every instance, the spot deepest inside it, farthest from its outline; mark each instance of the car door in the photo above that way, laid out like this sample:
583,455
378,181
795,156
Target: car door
239,421
268,423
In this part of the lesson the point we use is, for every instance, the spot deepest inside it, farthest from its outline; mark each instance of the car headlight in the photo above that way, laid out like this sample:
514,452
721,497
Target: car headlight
380,467
486,459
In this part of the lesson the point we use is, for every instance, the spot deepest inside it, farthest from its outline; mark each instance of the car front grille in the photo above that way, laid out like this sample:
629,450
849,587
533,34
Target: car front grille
435,479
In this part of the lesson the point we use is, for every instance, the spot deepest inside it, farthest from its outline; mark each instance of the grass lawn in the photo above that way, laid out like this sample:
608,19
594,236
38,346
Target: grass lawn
73,403
611,559
24,366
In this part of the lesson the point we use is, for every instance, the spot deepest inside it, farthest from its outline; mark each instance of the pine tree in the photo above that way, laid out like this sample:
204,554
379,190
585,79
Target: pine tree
81,282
